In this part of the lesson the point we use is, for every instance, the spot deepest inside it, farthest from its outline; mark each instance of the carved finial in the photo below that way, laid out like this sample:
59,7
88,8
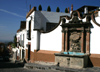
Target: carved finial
68,9
63,20
72,7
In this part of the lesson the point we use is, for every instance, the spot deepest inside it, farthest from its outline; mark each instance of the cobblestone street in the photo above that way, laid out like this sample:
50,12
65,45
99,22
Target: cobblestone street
12,67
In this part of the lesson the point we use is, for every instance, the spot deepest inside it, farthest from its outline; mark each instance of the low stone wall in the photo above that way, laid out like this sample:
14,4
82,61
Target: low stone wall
71,61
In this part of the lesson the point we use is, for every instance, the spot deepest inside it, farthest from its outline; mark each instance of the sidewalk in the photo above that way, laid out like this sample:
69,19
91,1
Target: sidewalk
57,68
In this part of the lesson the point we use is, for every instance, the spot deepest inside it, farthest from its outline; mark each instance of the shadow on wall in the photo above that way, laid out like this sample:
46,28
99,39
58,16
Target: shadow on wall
40,21
90,63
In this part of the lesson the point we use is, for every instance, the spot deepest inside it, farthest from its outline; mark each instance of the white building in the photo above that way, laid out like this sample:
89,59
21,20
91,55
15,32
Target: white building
21,40
43,35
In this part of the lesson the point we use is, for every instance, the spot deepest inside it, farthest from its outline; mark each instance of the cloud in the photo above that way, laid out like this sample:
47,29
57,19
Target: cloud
15,14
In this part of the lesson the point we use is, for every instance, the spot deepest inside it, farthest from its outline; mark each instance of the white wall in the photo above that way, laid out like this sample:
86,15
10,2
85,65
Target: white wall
95,38
38,21
33,33
51,41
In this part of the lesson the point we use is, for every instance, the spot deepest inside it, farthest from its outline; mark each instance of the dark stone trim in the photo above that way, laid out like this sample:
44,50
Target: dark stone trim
68,18
83,30
76,25
88,30
65,30
93,19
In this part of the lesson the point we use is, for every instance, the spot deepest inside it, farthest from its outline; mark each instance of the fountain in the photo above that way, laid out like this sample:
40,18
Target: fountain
75,42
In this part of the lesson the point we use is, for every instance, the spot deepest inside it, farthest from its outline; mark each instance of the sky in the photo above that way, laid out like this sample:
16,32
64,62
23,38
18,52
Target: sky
14,11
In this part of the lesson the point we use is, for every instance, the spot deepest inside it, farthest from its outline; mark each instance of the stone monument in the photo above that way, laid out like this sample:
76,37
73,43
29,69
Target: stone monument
75,42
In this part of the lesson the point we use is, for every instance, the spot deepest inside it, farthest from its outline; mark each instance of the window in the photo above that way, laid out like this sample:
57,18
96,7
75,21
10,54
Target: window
29,31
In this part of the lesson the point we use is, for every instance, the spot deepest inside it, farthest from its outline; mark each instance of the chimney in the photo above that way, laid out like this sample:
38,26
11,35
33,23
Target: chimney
68,9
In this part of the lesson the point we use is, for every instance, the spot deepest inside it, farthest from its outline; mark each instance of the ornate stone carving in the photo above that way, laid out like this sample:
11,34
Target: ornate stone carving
74,42
74,37
75,18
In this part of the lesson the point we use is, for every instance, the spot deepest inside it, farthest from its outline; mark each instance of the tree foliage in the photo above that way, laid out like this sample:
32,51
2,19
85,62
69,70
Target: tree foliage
57,10
9,43
40,8
66,10
48,9
15,41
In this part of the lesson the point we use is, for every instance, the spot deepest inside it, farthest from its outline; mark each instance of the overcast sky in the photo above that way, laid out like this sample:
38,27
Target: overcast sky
14,11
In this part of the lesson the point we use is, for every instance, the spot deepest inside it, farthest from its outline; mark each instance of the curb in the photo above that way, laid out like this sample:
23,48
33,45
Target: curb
45,67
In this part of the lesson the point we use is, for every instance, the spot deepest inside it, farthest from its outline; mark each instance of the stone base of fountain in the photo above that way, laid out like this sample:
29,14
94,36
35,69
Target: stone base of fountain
71,59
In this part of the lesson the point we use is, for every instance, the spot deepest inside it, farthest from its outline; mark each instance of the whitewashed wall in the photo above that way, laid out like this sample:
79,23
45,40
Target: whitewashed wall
38,40
52,41
33,33
95,38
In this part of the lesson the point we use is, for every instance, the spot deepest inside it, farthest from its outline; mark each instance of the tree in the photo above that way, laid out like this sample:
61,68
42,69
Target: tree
9,43
57,10
40,8
48,9
66,10
15,41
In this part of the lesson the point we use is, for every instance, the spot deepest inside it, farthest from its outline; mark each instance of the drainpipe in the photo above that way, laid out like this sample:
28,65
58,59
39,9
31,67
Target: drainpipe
38,41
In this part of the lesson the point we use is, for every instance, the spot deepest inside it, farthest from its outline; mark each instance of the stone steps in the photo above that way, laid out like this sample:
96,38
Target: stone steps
46,67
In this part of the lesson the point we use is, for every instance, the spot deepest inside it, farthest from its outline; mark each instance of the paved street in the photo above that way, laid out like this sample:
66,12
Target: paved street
12,67
15,67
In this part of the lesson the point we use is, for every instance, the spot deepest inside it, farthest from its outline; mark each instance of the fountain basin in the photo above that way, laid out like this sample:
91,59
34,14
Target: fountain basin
72,59
73,53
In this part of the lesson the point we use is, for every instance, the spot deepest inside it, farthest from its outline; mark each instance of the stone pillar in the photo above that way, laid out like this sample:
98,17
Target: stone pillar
66,40
62,42
88,42
82,40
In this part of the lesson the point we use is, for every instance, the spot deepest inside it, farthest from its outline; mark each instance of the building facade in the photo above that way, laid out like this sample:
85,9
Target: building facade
88,37
43,34
21,39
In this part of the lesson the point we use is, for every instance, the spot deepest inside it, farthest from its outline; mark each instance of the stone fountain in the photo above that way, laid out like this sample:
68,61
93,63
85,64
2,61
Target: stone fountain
75,42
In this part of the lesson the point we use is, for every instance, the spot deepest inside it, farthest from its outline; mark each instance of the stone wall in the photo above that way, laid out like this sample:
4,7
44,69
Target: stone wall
72,61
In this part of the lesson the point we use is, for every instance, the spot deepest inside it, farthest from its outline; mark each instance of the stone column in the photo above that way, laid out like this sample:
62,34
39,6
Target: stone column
82,40
88,41
62,42
66,40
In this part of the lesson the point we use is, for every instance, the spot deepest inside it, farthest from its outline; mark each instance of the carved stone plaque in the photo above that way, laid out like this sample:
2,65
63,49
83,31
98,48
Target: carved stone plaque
74,37
75,42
